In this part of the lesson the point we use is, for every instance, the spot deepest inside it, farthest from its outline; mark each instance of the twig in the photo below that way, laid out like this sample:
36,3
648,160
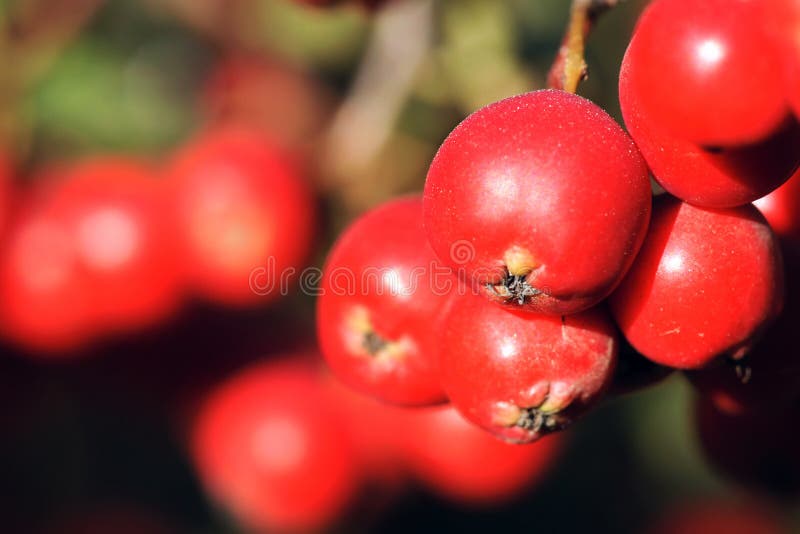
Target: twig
569,67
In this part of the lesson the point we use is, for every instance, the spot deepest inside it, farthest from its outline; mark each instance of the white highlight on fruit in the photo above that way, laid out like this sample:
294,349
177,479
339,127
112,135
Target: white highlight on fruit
108,238
710,51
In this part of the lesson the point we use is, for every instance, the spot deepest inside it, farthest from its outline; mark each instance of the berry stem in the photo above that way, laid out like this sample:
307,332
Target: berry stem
569,67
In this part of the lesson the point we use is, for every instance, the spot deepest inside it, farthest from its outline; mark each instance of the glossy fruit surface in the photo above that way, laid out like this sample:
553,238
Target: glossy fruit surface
719,177
245,216
521,375
782,210
271,450
540,200
464,464
379,303
705,284
704,71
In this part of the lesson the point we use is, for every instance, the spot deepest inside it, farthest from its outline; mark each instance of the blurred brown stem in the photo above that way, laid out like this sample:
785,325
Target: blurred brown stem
569,67
364,122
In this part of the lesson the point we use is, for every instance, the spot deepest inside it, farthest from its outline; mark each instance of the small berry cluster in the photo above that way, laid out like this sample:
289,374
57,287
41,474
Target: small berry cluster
118,243
285,448
538,210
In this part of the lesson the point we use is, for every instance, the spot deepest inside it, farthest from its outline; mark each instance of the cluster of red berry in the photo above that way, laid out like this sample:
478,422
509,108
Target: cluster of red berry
283,446
503,288
118,248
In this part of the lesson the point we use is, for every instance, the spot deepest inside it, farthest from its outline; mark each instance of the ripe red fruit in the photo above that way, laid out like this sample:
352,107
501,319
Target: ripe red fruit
116,213
782,210
713,176
758,450
704,71
381,293
705,284
718,517
464,464
540,200
271,450
522,375
277,98
44,303
245,216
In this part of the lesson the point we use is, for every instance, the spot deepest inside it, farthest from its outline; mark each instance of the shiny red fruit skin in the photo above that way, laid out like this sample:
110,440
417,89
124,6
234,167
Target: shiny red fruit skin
116,212
704,71
544,184
245,216
783,24
463,464
782,210
379,279
502,367
705,284
270,449
716,178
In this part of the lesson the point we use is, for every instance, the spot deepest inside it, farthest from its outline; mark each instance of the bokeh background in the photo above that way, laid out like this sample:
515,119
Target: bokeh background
362,100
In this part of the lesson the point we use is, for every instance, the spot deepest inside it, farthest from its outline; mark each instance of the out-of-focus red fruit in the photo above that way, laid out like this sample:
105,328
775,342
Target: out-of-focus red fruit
705,284
758,450
379,303
270,448
44,292
716,517
116,213
767,379
463,463
261,93
372,425
245,216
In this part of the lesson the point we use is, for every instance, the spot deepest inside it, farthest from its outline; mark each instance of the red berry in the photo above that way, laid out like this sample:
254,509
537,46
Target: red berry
782,210
521,375
705,284
39,269
245,216
718,177
758,450
719,517
705,71
271,450
464,464
115,212
380,297
541,200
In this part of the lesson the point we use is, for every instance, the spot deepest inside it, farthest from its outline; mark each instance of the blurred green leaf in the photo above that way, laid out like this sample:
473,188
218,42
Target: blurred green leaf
95,97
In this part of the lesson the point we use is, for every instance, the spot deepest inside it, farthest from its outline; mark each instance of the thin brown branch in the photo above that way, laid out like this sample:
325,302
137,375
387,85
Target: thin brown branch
569,67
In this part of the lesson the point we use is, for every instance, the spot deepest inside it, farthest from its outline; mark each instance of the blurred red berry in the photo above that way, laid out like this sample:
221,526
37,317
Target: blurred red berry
44,291
757,450
270,449
464,464
379,302
117,215
719,517
245,216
